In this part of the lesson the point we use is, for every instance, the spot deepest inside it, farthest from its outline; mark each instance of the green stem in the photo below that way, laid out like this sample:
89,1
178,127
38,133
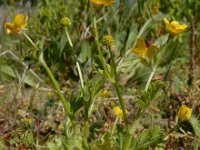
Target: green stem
128,135
80,75
86,124
127,142
29,39
118,92
55,83
68,37
121,102
154,68
103,62
114,126
117,86
150,78
122,106
65,103
85,135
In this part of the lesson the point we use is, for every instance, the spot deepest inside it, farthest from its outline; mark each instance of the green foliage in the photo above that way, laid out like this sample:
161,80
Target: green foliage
77,115
86,52
73,139
146,97
28,139
150,137
105,142
55,144
2,145
76,102
195,125
8,72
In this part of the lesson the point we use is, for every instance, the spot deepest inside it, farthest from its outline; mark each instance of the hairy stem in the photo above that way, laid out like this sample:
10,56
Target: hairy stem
121,102
65,103
103,62
56,85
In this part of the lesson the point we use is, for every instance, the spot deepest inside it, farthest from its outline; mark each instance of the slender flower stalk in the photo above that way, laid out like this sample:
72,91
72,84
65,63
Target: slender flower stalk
85,134
86,122
29,39
115,83
80,74
65,103
150,78
103,62
62,98
114,126
68,37
121,102
65,22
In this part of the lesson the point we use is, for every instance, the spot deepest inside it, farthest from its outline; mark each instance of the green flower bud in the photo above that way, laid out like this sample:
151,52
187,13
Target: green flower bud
108,40
65,22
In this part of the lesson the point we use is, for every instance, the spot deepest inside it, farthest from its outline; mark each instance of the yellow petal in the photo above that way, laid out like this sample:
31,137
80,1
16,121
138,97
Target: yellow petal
10,28
182,28
20,20
175,24
174,27
26,20
184,112
140,47
137,51
140,44
151,52
103,2
108,2
104,93
97,2
166,21
118,112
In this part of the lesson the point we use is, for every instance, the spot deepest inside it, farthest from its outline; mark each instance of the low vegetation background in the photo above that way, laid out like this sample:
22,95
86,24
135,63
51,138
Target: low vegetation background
118,74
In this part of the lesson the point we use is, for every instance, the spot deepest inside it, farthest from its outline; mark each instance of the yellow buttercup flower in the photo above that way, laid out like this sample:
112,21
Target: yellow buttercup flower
175,27
19,23
102,2
142,51
184,112
118,112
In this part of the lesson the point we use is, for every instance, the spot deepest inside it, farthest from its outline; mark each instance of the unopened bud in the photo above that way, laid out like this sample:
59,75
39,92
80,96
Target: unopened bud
65,22
108,40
